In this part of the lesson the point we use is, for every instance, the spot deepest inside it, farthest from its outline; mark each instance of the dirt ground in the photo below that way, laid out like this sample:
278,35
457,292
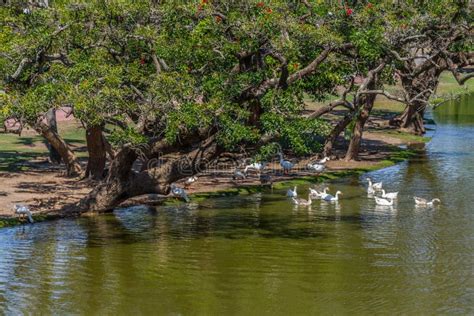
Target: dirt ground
46,189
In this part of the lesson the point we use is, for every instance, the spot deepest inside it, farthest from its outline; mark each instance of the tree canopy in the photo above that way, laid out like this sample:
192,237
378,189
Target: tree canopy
177,75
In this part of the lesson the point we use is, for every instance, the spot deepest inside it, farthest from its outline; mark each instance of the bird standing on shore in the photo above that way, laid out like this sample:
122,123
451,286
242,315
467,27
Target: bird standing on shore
285,164
266,179
22,211
257,166
179,192
318,166
190,181
238,175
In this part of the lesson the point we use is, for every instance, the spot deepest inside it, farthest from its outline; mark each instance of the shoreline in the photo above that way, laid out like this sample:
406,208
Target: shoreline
381,149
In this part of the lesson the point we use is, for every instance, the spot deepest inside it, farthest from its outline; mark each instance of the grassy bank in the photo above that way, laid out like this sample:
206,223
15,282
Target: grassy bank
16,151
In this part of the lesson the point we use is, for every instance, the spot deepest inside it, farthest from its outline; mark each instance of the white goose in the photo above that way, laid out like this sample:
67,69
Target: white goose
179,192
23,210
318,195
285,164
302,202
370,190
190,181
318,166
258,166
292,193
390,195
383,202
238,175
332,198
375,186
424,202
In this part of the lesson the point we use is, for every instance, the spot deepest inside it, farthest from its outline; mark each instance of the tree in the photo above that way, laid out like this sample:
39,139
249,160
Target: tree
173,86
423,44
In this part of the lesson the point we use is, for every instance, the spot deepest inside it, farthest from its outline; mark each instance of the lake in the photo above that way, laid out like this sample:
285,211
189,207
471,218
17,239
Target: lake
258,255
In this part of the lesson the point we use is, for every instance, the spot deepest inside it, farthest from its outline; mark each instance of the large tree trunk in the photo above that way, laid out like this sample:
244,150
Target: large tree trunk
419,91
411,119
96,148
72,165
356,139
54,155
364,103
336,131
123,183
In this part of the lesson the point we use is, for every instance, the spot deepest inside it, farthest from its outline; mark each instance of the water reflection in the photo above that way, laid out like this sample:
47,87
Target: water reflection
258,254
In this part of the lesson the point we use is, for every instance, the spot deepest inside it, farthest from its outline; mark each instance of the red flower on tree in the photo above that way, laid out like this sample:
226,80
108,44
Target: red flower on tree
349,11
369,5
260,5
269,10
142,61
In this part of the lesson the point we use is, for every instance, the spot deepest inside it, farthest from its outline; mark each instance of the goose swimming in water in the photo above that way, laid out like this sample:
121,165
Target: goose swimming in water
292,193
302,202
332,198
424,202
318,195
374,186
179,192
383,202
285,164
391,195
22,211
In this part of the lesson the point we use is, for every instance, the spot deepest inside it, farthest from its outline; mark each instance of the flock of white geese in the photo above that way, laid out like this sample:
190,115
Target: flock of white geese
383,199
374,190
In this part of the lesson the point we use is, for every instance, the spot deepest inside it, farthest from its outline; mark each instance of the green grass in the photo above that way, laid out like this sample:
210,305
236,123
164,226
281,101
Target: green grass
16,151
14,221
447,88
405,137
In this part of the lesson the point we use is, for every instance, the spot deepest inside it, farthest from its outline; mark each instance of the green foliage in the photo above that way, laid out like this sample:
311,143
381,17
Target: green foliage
128,135
167,69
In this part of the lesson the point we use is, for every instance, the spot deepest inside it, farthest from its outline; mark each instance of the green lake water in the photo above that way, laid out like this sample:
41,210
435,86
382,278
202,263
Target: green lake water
259,255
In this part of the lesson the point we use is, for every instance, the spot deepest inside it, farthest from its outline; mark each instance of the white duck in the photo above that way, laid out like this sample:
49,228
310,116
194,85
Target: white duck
318,166
390,195
375,186
258,166
302,202
424,202
179,192
370,190
238,175
315,194
292,193
383,202
23,210
190,181
285,164
332,198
